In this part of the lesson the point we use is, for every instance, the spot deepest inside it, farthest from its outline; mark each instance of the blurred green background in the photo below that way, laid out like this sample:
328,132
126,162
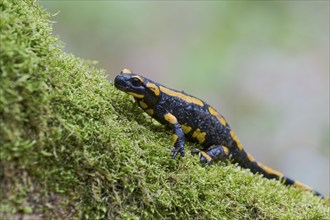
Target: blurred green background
263,65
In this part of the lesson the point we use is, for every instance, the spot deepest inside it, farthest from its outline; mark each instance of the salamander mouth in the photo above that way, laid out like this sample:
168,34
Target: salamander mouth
121,87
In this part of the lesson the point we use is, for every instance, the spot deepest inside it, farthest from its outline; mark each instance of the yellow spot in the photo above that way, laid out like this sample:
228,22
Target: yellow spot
199,135
251,158
223,121
136,95
181,96
300,185
143,104
170,118
175,138
270,170
149,111
127,71
138,77
225,149
207,157
216,114
213,111
186,129
239,145
153,88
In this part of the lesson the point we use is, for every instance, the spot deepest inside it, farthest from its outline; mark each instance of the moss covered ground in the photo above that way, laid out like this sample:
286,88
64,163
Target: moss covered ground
73,147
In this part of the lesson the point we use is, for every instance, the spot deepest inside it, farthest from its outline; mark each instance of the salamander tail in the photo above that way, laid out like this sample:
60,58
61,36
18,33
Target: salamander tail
269,173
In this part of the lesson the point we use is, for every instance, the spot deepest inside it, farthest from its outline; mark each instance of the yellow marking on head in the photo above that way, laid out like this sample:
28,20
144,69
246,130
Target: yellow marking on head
127,71
186,129
170,118
225,149
300,185
181,96
175,138
270,170
249,156
153,87
143,104
135,95
223,121
239,145
138,77
199,135
207,157
149,111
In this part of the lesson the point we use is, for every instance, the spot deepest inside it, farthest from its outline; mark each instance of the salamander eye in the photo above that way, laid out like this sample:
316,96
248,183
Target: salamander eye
136,81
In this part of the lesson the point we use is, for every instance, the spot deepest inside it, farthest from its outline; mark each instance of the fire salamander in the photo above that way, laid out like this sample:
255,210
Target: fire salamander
192,118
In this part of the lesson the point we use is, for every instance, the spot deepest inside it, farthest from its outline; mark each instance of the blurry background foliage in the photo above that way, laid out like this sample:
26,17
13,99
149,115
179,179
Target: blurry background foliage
263,65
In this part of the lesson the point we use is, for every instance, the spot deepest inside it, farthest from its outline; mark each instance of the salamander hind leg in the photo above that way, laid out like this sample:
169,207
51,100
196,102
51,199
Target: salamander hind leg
216,152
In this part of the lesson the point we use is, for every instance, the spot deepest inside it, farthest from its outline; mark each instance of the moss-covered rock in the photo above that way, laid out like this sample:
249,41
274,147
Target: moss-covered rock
72,146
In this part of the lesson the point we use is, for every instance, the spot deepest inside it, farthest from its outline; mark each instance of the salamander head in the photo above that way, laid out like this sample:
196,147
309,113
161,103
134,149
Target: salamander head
136,85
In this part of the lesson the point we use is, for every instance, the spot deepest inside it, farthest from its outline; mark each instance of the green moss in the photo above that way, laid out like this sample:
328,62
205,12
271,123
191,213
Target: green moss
72,146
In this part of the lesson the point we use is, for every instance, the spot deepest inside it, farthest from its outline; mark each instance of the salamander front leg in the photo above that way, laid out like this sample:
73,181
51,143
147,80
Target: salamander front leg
217,152
178,135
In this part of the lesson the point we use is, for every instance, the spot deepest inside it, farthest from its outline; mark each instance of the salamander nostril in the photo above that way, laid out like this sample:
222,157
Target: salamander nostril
118,81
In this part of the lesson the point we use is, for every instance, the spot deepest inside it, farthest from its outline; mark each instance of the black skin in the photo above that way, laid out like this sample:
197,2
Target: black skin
218,143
